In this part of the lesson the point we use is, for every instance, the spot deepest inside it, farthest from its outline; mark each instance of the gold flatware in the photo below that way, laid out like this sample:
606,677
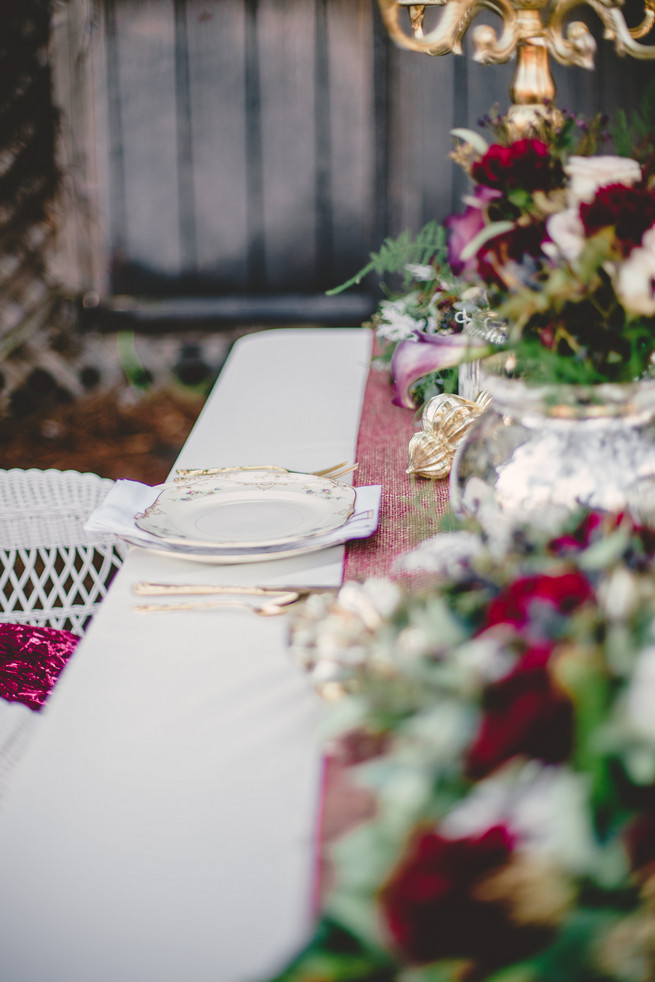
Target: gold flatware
147,589
336,470
333,475
271,608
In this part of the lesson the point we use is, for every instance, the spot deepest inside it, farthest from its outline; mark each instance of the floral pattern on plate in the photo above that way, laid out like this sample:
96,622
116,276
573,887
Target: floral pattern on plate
245,508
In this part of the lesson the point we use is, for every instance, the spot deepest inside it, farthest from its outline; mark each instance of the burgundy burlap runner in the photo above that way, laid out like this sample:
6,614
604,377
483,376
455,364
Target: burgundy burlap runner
410,509
410,506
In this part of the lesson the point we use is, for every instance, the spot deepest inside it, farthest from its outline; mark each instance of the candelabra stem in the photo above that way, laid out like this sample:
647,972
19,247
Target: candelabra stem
532,90
532,82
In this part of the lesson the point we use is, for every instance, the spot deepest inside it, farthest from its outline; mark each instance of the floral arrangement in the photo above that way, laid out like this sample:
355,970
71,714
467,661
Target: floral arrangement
503,722
552,258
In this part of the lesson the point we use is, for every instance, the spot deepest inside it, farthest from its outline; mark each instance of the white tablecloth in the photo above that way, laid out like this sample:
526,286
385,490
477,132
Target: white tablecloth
160,827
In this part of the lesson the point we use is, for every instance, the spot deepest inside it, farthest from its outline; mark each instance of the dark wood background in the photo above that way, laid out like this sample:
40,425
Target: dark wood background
255,151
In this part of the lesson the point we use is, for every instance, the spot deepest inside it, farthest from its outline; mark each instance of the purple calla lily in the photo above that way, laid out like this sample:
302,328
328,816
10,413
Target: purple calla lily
463,228
413,359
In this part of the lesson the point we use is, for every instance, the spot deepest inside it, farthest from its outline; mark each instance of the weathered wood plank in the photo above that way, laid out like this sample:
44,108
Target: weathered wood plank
79,258
216,37
353,146
144,40
286,31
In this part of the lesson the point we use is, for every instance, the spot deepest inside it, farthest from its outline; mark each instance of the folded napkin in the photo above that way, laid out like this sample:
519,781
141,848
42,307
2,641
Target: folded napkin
128,498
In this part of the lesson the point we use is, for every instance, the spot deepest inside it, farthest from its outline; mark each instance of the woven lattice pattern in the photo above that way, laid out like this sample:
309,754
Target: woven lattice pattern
52,572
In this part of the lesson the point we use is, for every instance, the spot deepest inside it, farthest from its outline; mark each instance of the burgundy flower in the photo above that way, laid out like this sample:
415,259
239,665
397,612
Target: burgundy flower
429,906
629,210
525,164
640,843
432,909
525,714
514,248
581,536
525,599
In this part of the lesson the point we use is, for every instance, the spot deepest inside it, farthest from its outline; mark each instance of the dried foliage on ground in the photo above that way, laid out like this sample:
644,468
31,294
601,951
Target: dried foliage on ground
117,434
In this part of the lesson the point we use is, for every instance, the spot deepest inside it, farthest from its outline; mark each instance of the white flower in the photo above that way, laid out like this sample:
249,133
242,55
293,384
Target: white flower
397,323
634,279
447,553
546,807
424,274
371,601
641,695
588,174
566,230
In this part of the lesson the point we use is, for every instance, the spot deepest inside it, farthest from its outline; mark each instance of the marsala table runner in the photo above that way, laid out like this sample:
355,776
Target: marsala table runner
410,508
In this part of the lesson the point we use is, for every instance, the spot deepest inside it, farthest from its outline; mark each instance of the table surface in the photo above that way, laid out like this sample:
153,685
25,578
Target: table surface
161,827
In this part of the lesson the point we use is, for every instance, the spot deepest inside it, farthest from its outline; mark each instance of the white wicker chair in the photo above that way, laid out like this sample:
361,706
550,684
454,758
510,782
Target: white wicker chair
52,572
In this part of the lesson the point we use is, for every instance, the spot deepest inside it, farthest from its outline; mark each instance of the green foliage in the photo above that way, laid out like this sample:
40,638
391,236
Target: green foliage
396,254
635,136
335,955
136,375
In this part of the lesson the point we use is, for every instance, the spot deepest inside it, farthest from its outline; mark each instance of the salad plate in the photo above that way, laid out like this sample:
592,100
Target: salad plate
247,509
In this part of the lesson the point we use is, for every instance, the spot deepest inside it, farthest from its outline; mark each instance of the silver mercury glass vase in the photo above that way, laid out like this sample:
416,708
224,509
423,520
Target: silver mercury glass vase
541,452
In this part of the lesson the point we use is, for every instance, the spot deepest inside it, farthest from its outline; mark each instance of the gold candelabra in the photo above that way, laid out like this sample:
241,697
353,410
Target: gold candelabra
532,30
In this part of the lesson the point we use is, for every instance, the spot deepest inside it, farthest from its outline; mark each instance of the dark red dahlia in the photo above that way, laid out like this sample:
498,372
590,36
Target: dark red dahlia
526,598
525,164
629,210
514,248
432,910
524,714
428,904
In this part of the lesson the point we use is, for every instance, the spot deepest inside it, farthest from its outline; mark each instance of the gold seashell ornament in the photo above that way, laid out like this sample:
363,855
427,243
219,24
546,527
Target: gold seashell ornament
446,419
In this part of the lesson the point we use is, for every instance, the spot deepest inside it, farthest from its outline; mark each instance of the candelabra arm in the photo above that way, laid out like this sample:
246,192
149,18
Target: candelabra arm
576,47
524,34
455,19
641,30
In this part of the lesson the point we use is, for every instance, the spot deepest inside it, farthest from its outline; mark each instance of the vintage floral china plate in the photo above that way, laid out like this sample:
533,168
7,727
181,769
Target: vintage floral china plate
247,509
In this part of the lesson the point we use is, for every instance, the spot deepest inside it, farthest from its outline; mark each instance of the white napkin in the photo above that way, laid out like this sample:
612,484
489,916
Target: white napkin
127,498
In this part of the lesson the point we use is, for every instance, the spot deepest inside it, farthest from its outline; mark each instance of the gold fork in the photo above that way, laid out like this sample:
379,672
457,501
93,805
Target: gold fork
272,607
145,588
336,470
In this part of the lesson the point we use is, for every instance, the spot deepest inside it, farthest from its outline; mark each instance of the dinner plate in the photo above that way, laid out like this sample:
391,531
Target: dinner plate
228,557
247,509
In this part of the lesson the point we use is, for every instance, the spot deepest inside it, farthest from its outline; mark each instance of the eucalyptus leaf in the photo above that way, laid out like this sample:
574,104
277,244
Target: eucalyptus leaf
489,232
607,551
478,142
358,914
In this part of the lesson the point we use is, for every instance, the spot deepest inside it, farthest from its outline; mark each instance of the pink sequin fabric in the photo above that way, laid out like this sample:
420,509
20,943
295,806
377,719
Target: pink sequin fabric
31,660
410,507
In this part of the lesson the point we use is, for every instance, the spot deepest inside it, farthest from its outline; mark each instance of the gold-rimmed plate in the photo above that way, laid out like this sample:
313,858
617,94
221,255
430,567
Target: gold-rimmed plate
247,509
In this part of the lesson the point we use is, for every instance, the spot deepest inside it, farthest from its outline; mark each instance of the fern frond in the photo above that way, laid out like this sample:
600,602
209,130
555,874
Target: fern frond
396,254
637,132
